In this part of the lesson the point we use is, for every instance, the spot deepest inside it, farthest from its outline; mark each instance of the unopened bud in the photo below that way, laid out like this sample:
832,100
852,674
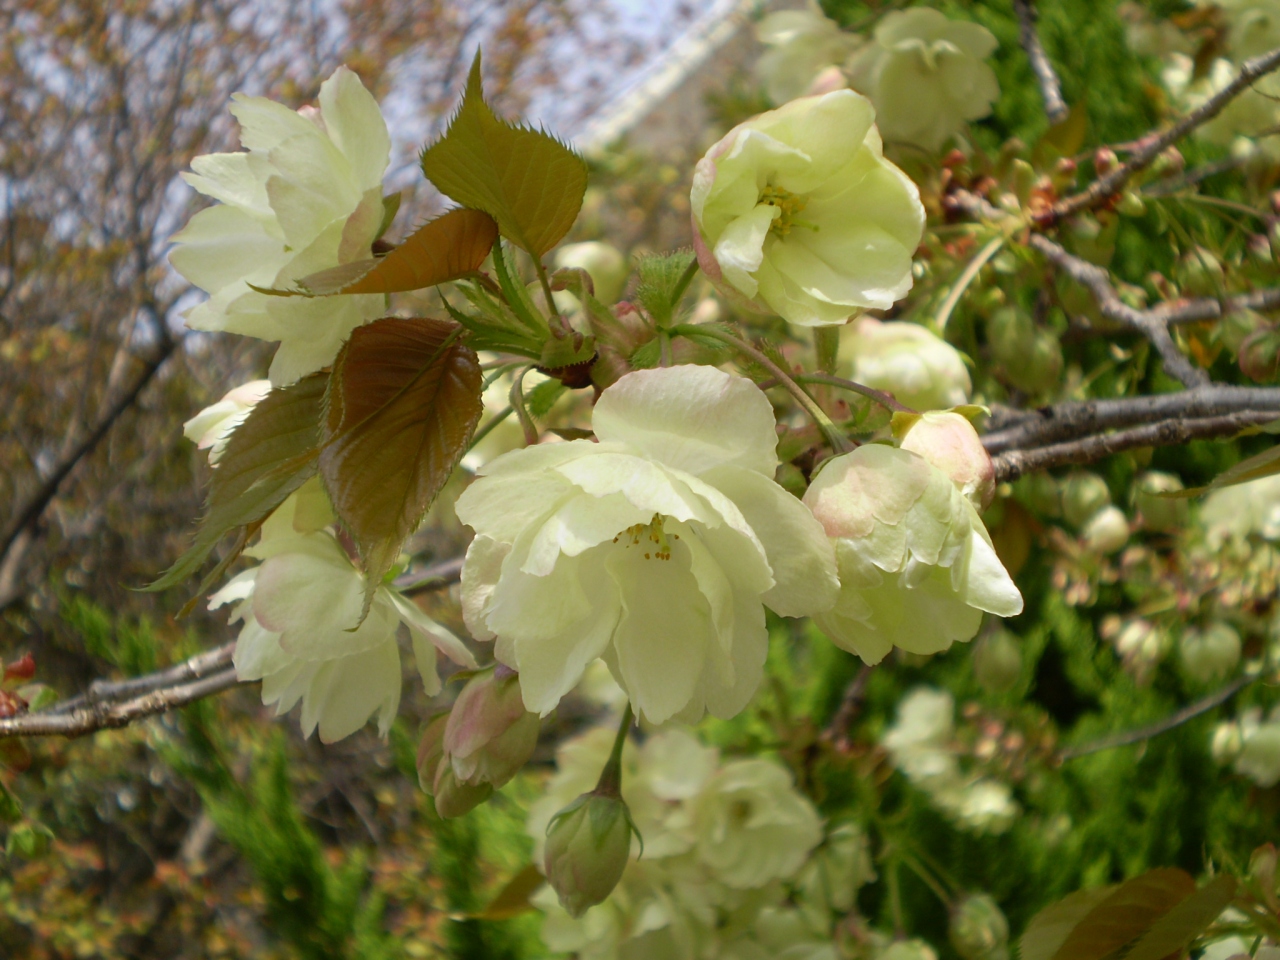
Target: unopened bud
436,776
1141,646
1159,513
490,735
1226,743
588,845
1039,493
1259,759
997,661
23,668
1200,273
1107,530
1104,160
1083,495
948,441
1210,653
1131,205
602,261
1236,327
1260,355
979,930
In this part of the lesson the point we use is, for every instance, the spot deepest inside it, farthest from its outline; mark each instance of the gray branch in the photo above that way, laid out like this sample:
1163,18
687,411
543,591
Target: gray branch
1154,144
1050,88
1014,463
1078,419
109,704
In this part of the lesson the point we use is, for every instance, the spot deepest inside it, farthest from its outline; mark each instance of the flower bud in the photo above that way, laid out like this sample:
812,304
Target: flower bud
1157,512
1226,743
1210,653
606,265
1259,759
1141,646
1260,355
949,442
588,845
452,797
1107,531
919,368
1200,273
1083,495
979,930
997,661
489,734
1030,358
1234,329
1040,494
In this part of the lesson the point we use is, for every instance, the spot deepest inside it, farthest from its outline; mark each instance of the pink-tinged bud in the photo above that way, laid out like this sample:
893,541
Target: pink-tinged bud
588,845
949,442
1260,355
436,776
23,668
490,735
1104,160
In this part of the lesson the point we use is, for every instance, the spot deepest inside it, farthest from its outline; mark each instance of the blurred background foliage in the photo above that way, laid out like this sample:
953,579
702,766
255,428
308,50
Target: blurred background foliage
217,832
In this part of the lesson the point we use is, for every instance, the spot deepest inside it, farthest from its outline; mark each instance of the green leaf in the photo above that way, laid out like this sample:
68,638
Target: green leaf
1050,927
1064,139
402,403
662,283
528,181
10,808
513,899
1126,914
267,457
1171,933
1264,464
444,249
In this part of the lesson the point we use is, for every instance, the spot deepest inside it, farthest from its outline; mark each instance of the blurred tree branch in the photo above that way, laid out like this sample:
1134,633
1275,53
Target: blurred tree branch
1050,88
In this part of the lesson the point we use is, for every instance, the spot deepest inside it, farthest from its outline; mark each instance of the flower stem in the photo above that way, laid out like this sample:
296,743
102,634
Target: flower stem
879,396
546,287
610,782
839,442
522,413
488,427
827,342
682,285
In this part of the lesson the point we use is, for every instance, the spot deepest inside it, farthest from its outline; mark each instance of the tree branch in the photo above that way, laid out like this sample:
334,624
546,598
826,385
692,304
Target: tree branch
1014,463
28,513
1077,419
1177,719
1050,88
1154,144
109,704
1149,323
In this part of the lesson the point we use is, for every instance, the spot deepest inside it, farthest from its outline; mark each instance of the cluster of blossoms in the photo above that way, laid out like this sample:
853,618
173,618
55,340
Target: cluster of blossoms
734,862
921,745
303,635
925,74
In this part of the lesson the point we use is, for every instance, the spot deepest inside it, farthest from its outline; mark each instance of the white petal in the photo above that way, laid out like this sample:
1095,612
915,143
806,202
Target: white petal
346,692
480,572
581,523
425,630
354,123
691,418
740,249
989,586
800,556
662,637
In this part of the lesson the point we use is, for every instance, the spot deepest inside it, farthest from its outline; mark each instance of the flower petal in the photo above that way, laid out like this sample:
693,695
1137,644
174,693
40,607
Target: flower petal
691,418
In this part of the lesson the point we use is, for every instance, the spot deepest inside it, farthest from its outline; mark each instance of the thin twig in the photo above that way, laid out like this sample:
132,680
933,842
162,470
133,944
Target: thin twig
1153,145
1210,308
885,400
30,511
1076,419
1151,324
1177,719
104,692
1050,88
837,731
1014,463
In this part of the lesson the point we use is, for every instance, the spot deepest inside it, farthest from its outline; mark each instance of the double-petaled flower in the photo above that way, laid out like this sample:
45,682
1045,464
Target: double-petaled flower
656,548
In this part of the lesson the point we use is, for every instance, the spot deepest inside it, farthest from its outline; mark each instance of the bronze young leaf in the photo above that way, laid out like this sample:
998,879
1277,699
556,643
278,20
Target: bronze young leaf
402,403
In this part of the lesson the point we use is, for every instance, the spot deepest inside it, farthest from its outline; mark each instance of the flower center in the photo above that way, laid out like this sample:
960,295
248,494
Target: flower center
790,205
650,537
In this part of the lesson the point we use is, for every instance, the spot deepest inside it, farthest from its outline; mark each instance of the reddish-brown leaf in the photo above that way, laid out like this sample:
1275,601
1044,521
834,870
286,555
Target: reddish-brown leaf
403,400
1127,914
446,248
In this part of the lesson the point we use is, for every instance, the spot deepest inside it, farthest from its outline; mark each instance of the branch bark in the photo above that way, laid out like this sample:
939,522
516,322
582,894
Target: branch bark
109,704
1079,419
1153,145
1050,88
1014,463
